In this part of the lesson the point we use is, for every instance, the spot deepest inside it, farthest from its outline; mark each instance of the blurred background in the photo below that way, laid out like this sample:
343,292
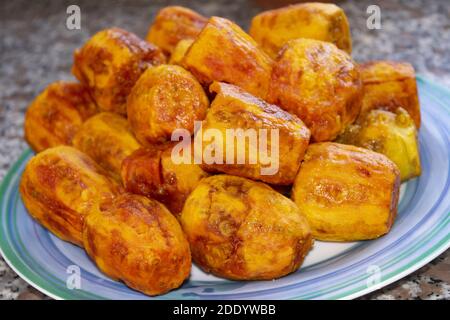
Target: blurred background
36,48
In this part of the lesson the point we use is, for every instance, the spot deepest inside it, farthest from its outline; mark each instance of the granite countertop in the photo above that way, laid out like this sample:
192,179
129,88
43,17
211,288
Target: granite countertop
36,49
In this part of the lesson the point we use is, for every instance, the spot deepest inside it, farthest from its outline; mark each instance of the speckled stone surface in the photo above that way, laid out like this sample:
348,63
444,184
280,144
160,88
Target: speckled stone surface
36,49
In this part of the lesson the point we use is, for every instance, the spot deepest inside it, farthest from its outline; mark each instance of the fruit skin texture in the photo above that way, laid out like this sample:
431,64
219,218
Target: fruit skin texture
319,21
180,51
174,24
224,52
392,134
347,193
107,138
59,188
110,63
389,85
55,116
165,98
152,173
244,230
320,84
233,108
136,240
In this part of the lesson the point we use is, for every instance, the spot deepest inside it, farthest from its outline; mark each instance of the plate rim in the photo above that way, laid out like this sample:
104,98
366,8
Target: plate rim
432,253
